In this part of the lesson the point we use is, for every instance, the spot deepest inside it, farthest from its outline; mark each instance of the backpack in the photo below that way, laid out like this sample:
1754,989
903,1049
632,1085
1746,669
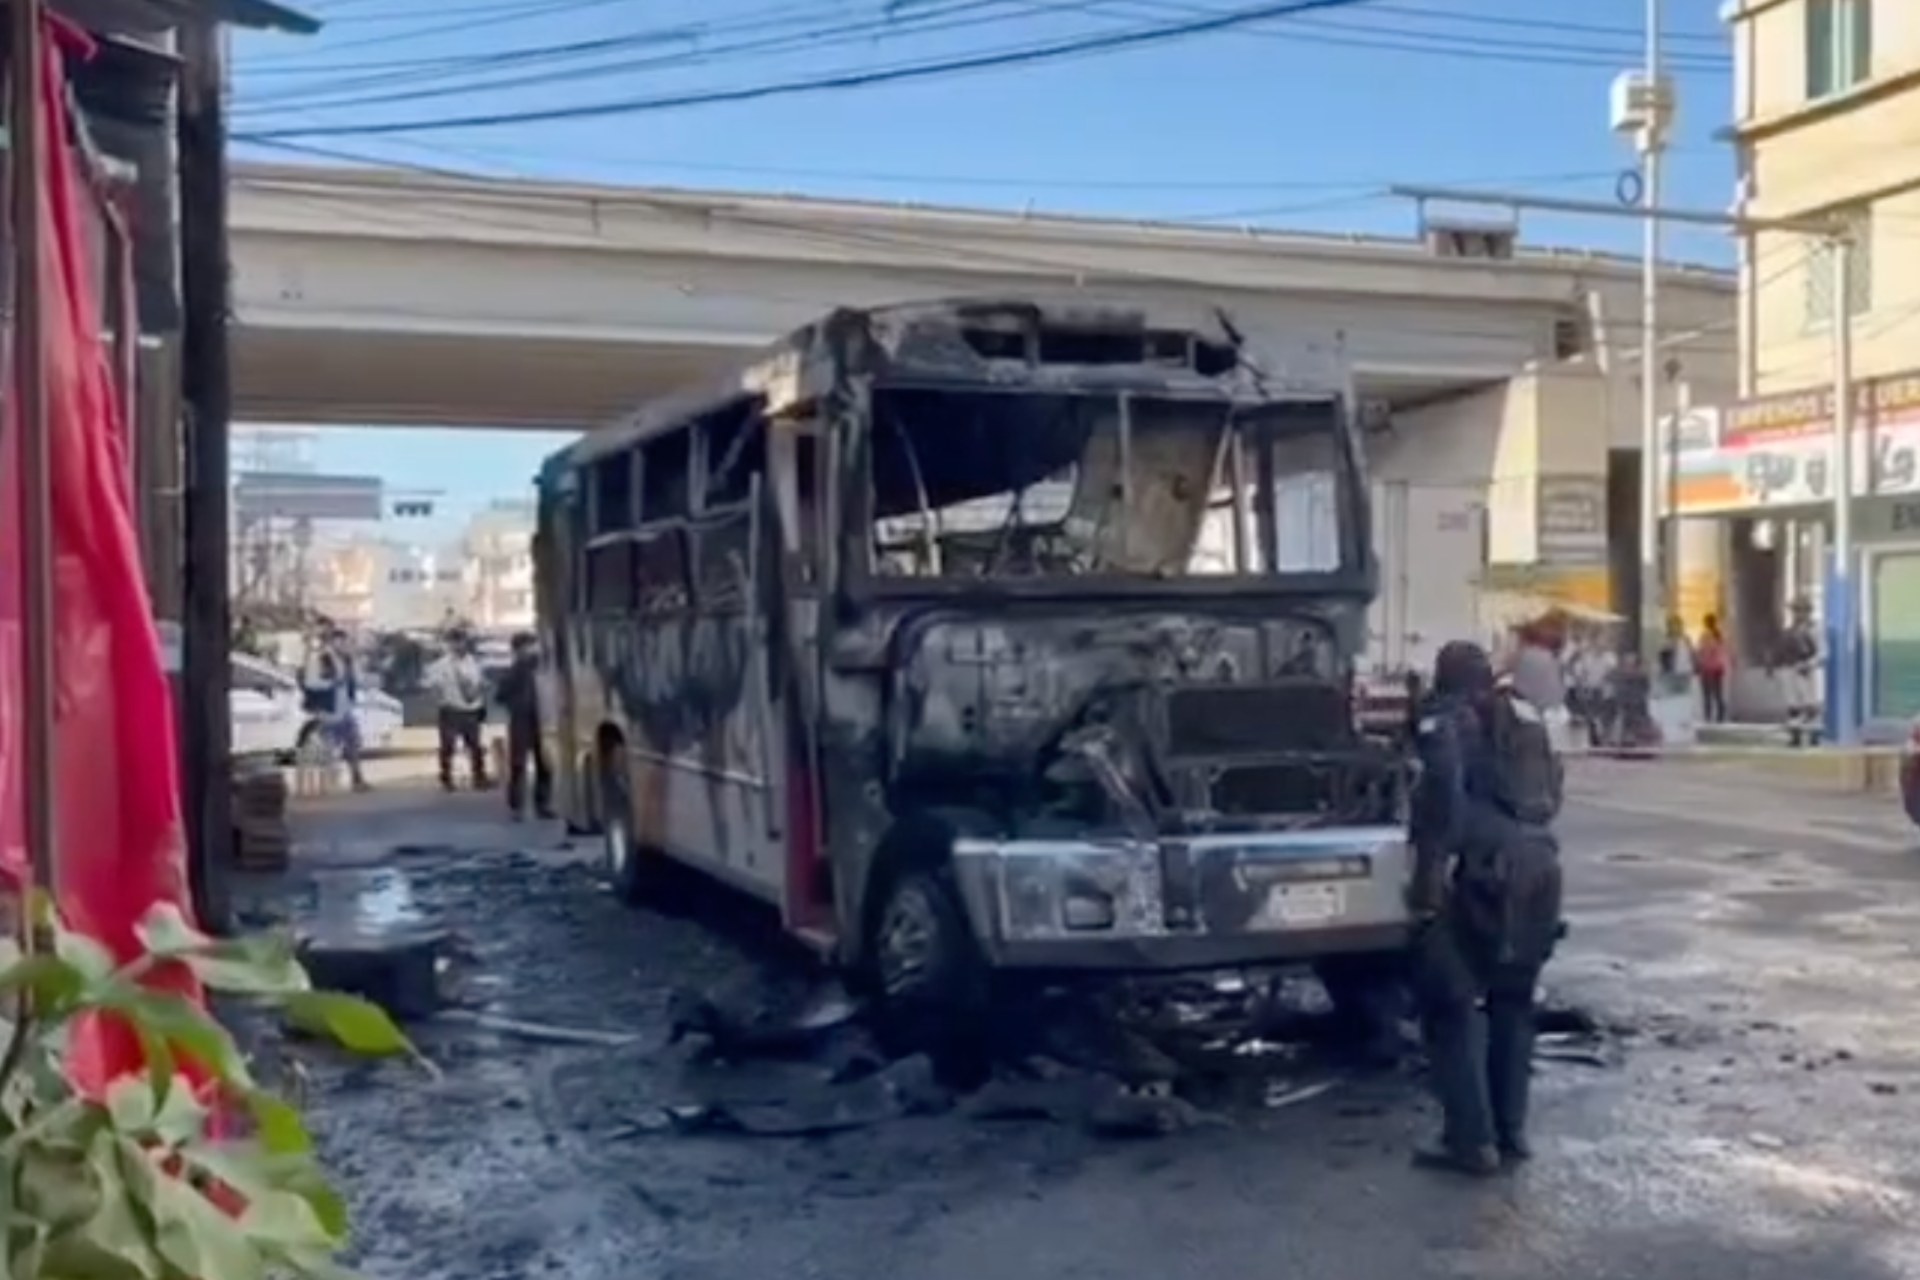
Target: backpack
1524,780
1508,883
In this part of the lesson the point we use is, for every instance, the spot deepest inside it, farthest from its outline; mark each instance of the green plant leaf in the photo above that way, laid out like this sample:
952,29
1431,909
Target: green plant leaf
304,1178
54,983
131,1103
254,1171
95,963
280,1129
161,1068
199,1239
115,1243
183,1026
173,1118
280,1221
164,931
313,1265
261,965
354,1023
57,1186
26,1252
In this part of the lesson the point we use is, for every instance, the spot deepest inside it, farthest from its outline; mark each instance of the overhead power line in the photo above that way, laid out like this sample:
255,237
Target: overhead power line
1081,46
1312,29
949,15
1543,24
466,76
758,22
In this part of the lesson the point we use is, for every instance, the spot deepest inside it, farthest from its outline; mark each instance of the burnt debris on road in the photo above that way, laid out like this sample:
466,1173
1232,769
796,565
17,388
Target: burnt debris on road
649,1093
769,1045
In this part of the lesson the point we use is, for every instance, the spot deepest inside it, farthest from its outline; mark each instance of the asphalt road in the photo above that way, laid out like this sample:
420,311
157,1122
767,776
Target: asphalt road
1757,940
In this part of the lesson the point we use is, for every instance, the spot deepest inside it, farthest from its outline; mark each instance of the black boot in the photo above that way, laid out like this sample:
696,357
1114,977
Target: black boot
1515,1149
1479,1162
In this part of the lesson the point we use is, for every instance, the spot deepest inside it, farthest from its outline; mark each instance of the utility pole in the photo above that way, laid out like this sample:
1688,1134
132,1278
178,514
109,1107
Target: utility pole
1838,237
206,387
40,750
1657,553
1643,109
1841,595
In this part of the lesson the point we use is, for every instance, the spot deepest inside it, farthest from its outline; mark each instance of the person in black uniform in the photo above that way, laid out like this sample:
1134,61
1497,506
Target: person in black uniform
1487,896
519,695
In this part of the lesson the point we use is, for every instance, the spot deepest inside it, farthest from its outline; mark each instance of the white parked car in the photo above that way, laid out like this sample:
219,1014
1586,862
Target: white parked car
269,718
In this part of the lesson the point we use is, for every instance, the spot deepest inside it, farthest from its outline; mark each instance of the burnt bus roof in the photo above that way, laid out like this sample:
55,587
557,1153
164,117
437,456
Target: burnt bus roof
985,345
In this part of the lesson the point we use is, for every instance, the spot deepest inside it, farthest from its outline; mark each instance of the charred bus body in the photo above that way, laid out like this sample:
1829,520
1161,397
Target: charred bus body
985,636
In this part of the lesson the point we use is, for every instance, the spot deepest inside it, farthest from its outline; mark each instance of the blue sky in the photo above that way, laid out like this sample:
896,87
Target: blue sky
1294,122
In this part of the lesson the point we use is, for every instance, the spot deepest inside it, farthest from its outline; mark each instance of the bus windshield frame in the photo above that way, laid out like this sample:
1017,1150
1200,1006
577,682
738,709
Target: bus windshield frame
1204,492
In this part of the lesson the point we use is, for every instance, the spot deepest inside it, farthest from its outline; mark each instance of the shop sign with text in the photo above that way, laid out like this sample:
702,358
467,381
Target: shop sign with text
1778,452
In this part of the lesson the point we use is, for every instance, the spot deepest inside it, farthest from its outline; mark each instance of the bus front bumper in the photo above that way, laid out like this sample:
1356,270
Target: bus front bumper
1186,902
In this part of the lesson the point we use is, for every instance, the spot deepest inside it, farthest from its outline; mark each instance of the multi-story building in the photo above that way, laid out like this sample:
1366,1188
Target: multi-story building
378,584
498,553
1827,127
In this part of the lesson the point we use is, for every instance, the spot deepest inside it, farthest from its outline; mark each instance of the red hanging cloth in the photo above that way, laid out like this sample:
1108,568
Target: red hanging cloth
117,807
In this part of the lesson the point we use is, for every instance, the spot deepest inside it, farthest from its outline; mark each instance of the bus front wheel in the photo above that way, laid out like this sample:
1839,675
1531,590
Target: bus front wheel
925,966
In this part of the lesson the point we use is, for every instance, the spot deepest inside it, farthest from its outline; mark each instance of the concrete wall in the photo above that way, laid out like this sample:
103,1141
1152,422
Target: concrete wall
1542,423
1526,438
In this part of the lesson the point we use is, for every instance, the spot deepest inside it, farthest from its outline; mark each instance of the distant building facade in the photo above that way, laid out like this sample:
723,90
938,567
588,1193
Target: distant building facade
497,551
1827,114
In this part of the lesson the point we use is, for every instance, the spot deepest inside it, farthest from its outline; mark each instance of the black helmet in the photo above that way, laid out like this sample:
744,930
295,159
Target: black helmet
1462,667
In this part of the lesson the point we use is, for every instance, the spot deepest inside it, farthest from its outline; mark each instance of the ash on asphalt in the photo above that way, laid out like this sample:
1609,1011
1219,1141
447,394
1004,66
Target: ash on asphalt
695,1030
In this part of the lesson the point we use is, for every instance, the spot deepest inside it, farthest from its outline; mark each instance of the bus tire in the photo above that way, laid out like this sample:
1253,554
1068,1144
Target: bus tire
626,863
925,967
584,814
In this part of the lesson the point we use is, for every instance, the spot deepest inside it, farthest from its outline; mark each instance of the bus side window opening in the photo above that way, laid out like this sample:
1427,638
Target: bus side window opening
736,452
665,481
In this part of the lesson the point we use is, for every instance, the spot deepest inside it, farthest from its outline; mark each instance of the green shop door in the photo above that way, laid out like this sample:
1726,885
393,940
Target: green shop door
1894,634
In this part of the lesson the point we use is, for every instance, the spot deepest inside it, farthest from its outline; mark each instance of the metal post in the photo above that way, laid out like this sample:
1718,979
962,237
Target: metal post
1652,142
1126,477
35,475
1839,610
207,391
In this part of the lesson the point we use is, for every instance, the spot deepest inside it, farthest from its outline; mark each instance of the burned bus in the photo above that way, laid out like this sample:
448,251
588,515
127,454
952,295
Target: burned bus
985,636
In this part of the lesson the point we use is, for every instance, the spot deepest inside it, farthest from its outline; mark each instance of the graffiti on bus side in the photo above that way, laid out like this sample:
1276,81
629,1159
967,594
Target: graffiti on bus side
679,673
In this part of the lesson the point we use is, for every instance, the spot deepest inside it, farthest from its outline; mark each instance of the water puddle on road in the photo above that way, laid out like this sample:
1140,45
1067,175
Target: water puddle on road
364,903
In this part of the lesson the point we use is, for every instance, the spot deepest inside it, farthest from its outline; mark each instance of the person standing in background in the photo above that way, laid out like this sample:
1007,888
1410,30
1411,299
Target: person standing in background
519,695
1539,677
1677,659
1796,665
1711,660
1589,671
330,691
460,691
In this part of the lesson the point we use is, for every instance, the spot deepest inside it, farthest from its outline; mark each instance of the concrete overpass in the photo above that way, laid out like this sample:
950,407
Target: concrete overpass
376,297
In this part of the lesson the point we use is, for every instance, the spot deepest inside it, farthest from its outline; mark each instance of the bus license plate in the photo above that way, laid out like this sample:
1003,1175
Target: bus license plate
1299,905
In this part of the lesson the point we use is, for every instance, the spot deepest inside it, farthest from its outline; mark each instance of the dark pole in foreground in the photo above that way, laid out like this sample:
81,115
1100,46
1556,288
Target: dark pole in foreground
207,392
35,476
